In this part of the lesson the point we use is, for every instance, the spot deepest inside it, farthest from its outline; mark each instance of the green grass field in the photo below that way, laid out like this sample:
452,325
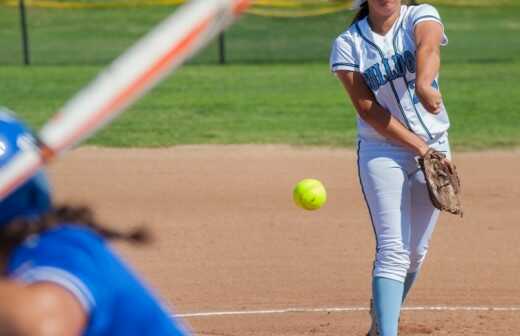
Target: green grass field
277,88
96,36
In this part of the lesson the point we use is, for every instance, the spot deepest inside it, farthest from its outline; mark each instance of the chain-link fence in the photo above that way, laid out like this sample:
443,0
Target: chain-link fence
94,32
72,32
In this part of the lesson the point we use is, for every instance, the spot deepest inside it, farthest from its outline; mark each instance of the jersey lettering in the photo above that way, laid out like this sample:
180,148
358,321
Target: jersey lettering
389,70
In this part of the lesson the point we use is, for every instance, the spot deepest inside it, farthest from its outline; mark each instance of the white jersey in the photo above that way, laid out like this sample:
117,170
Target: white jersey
388,65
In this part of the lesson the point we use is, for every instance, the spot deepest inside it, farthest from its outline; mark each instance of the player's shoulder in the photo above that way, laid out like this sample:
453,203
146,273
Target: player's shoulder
345,51
349,36
417,12
425,7
72,234
70,242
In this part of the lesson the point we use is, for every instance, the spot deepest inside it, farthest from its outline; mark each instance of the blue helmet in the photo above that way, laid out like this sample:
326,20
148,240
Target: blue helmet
33,198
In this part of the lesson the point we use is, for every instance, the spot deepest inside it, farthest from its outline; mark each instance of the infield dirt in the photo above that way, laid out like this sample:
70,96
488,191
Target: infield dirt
229,238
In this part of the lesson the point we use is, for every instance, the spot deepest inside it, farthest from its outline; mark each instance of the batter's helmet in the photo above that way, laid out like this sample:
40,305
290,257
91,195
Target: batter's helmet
33,198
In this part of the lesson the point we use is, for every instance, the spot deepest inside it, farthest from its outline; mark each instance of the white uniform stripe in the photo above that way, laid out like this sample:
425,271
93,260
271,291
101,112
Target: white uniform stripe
426,18
514,308
61,278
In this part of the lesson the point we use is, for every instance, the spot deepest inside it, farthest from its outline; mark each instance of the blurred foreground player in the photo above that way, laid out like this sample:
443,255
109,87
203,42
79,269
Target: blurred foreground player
59,276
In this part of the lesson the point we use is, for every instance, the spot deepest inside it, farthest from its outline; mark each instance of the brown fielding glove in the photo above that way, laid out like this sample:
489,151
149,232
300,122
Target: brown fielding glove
442,181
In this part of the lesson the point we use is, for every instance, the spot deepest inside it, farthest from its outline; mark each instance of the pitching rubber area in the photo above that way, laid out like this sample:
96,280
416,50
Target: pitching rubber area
234,257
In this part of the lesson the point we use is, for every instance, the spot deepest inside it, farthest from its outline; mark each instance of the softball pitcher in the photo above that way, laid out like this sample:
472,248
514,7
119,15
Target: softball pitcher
388,62
59,275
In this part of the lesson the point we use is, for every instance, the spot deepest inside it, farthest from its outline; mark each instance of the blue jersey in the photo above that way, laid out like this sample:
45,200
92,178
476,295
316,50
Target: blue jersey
77,259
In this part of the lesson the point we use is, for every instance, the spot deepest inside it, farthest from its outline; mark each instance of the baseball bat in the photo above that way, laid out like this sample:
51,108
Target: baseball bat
128,78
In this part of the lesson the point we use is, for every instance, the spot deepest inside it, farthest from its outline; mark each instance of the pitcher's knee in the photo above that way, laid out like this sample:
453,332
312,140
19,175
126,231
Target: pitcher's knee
416,260
392,264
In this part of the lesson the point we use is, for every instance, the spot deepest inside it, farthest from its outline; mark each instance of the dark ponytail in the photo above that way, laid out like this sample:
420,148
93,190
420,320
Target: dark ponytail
18,230
361,14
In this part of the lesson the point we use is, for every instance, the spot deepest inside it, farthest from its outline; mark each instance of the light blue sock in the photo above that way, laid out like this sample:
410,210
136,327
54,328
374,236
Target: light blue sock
408,283
388,295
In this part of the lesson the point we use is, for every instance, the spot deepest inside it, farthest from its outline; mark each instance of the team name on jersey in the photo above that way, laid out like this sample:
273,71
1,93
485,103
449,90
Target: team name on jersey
389,69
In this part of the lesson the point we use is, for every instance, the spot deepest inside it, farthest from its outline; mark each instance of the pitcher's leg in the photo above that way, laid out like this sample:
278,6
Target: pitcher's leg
387,304
387,194
385,188
424,218
408,283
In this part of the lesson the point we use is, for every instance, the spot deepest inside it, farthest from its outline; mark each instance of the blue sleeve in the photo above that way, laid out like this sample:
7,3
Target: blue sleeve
64,263
64,279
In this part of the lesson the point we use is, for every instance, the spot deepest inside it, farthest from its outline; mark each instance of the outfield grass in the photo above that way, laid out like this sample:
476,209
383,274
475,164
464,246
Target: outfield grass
295,104
295,101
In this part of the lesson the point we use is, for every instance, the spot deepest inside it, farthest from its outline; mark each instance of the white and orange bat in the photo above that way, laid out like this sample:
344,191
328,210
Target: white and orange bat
127,79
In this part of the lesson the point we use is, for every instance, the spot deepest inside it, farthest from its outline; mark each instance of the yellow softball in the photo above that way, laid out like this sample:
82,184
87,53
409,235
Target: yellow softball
309,194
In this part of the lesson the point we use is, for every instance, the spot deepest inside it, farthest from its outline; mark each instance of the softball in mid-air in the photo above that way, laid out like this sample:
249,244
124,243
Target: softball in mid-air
309,194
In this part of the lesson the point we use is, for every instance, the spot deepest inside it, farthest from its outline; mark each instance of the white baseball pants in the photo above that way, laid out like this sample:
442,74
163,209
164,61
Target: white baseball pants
401,211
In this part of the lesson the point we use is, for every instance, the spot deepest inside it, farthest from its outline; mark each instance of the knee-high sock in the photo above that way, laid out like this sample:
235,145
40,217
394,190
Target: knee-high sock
388,295
408,283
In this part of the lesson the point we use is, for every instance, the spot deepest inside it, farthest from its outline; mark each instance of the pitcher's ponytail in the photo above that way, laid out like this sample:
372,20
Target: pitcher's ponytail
362,13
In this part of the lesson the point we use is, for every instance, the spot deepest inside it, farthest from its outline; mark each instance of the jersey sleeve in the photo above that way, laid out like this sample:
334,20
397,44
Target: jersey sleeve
59,262
343,55
62,278
422,13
